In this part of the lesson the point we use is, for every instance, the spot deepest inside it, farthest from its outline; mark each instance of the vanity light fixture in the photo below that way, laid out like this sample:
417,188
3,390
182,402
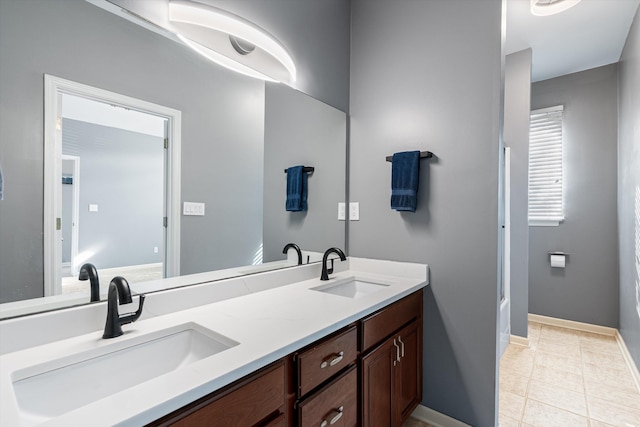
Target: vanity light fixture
231,41
551,7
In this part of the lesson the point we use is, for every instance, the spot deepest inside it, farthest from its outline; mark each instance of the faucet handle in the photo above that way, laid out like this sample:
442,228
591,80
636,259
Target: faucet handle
132,317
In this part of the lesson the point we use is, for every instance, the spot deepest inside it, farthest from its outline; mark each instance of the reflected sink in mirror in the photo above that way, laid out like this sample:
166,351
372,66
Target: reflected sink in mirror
54,388
351,288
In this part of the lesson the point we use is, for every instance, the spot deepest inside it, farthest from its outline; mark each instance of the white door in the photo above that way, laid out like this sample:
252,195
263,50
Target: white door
505,306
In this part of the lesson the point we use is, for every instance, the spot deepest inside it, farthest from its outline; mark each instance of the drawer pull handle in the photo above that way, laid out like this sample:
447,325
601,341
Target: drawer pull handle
334,361
401,348
395,344
335,418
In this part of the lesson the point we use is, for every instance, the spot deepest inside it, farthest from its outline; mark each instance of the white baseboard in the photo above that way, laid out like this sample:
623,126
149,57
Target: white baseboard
630,362
435,418
518,340
596,329
570,324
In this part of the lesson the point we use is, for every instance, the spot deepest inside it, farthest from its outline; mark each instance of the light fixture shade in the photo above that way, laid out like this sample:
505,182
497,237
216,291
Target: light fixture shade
209,31
551,7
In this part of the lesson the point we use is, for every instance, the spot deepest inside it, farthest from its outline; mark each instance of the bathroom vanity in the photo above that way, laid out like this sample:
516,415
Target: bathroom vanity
344,352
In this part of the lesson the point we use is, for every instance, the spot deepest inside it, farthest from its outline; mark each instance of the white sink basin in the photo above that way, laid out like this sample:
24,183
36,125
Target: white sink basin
51,389
351,287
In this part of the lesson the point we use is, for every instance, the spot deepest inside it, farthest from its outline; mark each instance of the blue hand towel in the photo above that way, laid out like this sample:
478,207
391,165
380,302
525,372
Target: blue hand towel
296,189
405,175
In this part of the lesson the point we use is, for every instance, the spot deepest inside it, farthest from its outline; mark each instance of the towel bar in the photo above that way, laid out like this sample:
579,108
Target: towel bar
306,169
423,155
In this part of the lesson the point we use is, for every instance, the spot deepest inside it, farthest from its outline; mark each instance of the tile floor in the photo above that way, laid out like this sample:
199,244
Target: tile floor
133,274
567,378
411,422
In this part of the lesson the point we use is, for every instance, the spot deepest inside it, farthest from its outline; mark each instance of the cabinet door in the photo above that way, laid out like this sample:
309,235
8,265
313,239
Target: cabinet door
377,385
408,372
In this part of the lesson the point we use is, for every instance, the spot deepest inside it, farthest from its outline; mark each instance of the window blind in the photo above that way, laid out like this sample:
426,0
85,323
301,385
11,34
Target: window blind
546,204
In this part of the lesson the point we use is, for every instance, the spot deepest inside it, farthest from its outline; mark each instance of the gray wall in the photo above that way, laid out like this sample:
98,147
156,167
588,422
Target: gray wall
517,107
629,190
78,41
587,289
316,34
427,75
123,173
300,130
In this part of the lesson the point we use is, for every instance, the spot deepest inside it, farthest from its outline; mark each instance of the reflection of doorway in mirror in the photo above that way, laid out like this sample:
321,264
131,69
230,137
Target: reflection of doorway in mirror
114,220
124,215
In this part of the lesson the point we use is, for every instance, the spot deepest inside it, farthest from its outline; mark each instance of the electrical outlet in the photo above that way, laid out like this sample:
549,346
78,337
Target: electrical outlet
354,211
342,211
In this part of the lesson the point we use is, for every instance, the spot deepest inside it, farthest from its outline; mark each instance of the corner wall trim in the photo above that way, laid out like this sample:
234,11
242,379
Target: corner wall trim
435,418
596,329
518,340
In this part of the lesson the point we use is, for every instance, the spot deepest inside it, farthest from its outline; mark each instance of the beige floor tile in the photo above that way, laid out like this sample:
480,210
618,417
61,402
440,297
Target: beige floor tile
569,349
613,394
518,359
511,405
604,346
513,382
559,335
412,422
559,397
611,360
596,423
541,415
504,421
534,331
596,338
613,413
559,361
616,378
558,378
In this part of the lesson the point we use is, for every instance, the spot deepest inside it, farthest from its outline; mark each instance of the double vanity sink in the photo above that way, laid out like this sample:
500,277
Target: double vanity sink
165,362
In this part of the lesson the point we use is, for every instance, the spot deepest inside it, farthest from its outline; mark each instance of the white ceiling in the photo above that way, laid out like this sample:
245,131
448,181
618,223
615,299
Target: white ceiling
588,35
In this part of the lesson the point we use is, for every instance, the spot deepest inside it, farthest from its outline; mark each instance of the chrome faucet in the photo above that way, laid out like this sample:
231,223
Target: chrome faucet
88,272
119,293
297,248
327,271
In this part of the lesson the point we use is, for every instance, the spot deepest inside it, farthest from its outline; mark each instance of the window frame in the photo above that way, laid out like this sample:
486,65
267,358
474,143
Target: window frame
553,215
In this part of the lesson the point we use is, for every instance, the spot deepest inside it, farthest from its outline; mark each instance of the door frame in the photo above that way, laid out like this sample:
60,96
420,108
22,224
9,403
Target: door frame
54,87
75,211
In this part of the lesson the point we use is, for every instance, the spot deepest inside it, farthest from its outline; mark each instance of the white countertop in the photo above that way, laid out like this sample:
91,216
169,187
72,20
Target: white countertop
267,325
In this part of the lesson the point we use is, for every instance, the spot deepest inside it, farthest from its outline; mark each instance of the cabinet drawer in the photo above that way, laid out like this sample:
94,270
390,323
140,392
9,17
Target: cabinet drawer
383,323
335,405
320,362
258,401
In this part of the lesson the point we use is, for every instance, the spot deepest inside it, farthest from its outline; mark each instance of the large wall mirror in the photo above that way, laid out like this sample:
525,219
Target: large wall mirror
238,135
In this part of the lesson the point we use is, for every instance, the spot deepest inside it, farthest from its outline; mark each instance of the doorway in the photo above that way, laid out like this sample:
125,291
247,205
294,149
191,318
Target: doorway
124,214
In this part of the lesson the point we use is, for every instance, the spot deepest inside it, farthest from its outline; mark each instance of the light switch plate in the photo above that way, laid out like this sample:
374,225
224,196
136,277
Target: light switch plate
342,211
193,208
354,211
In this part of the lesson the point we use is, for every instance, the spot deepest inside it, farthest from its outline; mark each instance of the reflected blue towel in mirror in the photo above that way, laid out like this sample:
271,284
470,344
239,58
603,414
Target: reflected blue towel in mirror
405,176
296,189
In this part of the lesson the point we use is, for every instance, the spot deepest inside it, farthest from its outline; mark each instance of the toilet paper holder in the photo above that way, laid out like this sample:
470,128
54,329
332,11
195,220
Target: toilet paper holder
558,259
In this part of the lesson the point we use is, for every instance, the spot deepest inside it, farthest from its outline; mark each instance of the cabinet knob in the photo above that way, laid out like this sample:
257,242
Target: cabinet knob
332,360
338,414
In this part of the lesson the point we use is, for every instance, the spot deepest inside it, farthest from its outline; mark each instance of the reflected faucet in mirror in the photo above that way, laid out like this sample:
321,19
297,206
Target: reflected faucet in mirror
89,272
119,293
296,247
327,271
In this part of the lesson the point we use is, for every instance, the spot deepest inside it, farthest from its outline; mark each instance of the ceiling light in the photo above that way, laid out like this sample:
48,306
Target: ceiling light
231,41
551,7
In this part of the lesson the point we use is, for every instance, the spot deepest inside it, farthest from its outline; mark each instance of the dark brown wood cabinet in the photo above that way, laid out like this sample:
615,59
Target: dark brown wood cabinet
368,373
256,400
392,370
